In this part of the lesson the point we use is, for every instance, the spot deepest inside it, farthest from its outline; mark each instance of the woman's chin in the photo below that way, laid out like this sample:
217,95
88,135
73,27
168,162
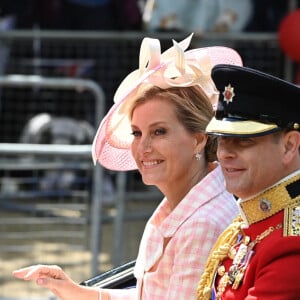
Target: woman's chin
149,180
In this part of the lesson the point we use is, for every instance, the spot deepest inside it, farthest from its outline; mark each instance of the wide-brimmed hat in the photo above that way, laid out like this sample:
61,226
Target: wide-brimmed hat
172,68
253,103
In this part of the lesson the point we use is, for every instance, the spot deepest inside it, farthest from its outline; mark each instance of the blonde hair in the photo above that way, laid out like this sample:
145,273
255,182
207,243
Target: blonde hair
192,108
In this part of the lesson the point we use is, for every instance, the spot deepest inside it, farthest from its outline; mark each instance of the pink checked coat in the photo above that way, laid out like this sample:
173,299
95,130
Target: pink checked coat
175,244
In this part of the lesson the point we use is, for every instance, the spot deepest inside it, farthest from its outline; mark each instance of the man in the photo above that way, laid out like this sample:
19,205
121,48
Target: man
257,121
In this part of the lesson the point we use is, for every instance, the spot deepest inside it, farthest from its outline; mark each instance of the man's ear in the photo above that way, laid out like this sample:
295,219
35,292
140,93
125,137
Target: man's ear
291,145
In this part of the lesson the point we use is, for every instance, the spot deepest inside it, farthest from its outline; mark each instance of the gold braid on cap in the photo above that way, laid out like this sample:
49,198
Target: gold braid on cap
220,250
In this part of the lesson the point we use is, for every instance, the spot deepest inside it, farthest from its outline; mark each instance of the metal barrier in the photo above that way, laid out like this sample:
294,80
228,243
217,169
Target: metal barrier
50,206
43,185
92,193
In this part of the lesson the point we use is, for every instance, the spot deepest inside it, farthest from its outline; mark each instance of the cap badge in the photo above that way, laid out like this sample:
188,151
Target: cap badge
228,93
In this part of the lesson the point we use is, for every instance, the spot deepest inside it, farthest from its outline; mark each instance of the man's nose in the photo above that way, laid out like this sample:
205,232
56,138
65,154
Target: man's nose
225,149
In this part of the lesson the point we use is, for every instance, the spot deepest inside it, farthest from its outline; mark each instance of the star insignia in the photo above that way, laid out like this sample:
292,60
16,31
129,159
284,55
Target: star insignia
228,93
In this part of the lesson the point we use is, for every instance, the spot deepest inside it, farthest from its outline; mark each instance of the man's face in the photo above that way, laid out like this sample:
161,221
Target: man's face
250,165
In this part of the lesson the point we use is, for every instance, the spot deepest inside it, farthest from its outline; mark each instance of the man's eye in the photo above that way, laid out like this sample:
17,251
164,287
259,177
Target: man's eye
245,140
136,133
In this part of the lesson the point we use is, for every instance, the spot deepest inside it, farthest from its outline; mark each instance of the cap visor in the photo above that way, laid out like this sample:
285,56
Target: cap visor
240,128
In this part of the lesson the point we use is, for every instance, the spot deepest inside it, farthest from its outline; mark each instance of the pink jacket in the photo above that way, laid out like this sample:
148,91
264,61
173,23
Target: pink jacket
175,245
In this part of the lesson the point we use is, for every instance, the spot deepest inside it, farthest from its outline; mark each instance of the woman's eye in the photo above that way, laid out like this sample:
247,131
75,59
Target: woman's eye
136,133
159,131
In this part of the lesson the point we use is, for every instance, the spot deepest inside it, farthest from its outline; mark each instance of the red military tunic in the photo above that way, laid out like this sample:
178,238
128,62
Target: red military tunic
263,262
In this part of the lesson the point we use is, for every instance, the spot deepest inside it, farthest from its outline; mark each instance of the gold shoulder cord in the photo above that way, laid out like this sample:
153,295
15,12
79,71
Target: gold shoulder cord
220,250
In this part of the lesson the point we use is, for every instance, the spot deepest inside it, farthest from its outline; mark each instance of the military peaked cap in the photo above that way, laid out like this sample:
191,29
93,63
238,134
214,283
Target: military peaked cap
253,103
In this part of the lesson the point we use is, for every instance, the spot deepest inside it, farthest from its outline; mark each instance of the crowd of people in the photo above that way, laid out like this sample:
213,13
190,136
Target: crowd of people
150,15
72,14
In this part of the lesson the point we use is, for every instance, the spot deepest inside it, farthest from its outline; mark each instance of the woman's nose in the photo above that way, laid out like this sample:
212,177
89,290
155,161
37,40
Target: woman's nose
145,144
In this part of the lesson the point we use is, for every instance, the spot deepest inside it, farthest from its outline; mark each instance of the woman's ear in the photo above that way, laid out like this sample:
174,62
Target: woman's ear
291,145
200,141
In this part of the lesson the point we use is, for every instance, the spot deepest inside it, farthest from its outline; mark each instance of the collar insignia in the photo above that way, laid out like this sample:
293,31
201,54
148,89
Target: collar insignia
279,197
228,93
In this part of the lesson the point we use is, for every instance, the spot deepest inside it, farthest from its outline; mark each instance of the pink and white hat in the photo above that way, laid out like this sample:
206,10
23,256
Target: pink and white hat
172,68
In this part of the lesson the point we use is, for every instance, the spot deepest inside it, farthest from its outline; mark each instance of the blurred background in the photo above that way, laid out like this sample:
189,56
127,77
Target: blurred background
60,64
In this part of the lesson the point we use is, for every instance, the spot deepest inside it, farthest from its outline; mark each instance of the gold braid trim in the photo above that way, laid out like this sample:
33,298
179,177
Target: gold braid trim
220,250
277,196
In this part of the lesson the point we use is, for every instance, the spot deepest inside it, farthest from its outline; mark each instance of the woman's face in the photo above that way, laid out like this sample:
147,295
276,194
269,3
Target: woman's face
162,148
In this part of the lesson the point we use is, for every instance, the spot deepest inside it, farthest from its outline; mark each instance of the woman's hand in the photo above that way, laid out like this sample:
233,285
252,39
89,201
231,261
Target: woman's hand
56,280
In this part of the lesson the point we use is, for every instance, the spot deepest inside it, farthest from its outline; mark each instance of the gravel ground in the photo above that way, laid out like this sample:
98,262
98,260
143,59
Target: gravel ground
77,264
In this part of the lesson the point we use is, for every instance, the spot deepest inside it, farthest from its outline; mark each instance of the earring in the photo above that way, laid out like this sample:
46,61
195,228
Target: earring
198,155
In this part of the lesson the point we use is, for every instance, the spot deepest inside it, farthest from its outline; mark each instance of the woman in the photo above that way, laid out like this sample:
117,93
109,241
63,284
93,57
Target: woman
166,106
